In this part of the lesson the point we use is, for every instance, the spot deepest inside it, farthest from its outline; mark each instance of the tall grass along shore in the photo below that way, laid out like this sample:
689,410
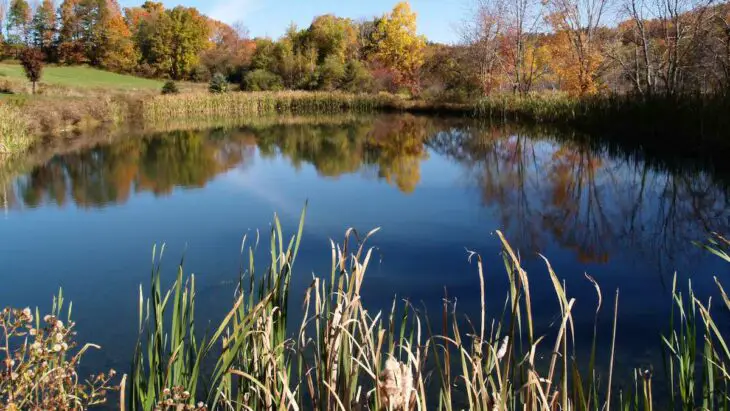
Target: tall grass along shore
15,133
198,105
700,120
344,357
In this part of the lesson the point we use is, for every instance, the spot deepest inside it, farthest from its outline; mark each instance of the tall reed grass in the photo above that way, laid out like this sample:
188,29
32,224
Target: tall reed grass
344,357
199,105
694,113
15,134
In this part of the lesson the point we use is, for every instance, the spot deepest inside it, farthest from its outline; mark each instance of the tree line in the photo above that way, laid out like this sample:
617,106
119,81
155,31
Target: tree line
665,47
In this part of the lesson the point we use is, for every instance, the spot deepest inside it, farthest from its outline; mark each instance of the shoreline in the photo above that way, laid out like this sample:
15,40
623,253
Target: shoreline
697,124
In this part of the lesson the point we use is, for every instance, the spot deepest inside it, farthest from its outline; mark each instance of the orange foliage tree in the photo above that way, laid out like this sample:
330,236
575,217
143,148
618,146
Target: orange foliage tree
576,24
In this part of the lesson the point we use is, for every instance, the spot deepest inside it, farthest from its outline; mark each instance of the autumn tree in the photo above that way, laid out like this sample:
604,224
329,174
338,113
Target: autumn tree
118,52
633,51
262,58
669,46
524,56
481,34
141,22
681,30
18,24
447,72
295,60
3,12
70,33
578,22
719,48
682,27
44,27
230,50
32,61
398,46
188,37
105,37
170,41
333,36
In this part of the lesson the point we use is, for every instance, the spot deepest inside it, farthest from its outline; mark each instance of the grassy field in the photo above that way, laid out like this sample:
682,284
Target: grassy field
69,99
82,77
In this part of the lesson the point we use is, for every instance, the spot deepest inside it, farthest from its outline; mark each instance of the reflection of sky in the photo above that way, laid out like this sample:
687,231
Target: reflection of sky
100,256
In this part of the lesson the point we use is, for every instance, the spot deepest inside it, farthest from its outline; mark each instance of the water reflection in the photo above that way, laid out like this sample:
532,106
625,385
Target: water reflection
390,148
544,186
109,174
585,198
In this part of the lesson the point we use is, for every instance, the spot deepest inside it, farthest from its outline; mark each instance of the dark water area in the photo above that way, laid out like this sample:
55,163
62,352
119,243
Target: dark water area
438,188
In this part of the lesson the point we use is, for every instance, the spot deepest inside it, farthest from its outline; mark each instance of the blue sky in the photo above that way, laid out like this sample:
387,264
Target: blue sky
437,19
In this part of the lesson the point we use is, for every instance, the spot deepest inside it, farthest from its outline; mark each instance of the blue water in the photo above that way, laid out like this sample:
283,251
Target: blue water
87,220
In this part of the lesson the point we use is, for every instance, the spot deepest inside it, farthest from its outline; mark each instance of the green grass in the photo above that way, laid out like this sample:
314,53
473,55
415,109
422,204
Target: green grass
82,77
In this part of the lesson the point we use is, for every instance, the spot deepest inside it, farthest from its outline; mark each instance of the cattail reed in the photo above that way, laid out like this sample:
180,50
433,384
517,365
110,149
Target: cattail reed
15,135
340,356
199,105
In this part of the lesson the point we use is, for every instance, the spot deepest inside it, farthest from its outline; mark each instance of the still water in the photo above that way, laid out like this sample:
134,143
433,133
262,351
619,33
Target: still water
86,220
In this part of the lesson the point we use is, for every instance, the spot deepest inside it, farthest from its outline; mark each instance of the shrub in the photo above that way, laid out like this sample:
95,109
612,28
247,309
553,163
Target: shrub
331,73
40,367
262,80
218,84
32,61
145,70
357,77
170,87
384,79
200,74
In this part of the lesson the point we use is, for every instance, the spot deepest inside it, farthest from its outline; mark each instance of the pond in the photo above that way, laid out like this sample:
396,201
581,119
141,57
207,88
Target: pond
87,220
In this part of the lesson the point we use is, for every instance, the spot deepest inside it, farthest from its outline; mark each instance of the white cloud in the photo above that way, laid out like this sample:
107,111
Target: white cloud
231,11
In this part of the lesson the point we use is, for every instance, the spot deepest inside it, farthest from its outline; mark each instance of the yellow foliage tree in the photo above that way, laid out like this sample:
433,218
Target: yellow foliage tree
576,42
397,45
121,54
576,73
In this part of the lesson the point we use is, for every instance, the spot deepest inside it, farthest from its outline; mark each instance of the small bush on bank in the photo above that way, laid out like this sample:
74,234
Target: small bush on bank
218,84
357,78
32,61
262,80
170,87
331,73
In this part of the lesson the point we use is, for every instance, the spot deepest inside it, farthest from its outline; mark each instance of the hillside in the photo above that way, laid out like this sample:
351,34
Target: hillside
81,77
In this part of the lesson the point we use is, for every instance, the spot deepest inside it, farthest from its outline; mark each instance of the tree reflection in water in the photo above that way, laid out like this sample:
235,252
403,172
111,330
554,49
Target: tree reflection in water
544,185
555,187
